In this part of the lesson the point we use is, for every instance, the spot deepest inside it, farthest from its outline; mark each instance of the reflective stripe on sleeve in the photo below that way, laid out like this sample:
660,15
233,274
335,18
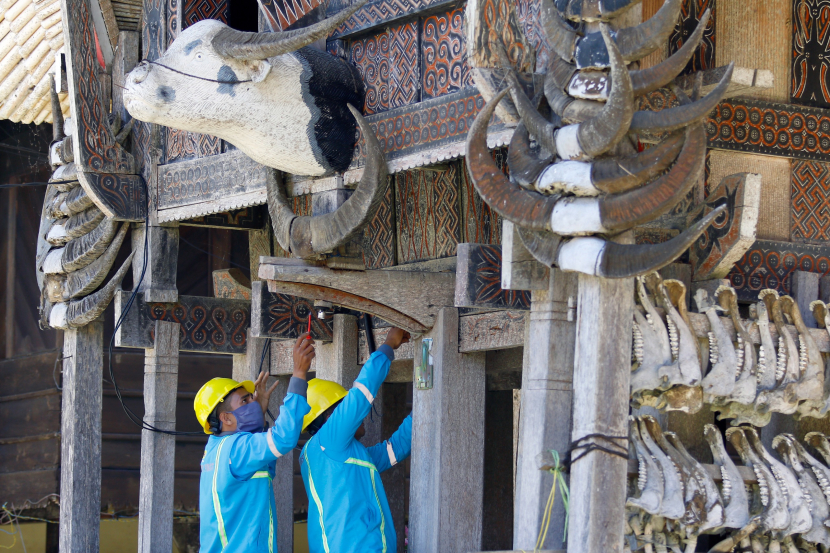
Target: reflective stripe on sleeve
392,460
365,391
272,446
216,506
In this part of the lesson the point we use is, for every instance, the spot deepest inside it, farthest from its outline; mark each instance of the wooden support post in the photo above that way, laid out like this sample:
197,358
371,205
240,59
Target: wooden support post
126,58
447,467
602,363
805,290
158,451
159,284
83,365
337,361
545,420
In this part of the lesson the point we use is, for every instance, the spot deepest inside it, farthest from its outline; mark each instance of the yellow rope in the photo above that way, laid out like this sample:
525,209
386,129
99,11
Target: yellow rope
558,479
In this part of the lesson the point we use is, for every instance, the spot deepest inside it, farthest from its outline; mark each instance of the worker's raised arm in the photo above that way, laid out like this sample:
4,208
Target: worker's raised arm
390,452
253,452
339,429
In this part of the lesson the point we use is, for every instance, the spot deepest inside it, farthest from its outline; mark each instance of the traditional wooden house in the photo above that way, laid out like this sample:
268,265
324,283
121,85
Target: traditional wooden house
521,170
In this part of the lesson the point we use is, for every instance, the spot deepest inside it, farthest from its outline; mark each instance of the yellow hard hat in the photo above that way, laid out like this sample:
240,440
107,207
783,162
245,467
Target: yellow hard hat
212,393
322,394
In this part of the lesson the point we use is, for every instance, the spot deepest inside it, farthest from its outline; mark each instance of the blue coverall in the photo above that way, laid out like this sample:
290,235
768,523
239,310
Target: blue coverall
348,510
236,501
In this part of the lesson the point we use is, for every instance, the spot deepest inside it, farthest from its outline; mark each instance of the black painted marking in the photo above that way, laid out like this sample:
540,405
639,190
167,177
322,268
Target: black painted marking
191,45
230,79
166,94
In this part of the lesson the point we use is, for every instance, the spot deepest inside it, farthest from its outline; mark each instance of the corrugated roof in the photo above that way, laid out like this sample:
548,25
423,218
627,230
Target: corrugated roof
31,34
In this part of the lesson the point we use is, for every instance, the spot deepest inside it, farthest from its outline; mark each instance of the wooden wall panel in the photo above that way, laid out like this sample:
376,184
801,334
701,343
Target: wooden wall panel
810,201
757,34
481,224
811,47
774,216
379,235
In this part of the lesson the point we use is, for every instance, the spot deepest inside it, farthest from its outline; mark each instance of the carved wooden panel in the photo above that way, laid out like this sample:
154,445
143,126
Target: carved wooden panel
757,126
531,21
248,218
283,13
481,224
285,317
478,280
404,65
371,57
444,66
380,12
197,10
427,208
182,145
810,201
379,248
770,264
492,22
208,325
811,53
692,11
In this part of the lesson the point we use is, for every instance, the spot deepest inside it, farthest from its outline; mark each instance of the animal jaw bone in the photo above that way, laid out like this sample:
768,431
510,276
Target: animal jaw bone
736,511
671,294
719,382
783,398
656,370
672,502
713,503
810,386
650,481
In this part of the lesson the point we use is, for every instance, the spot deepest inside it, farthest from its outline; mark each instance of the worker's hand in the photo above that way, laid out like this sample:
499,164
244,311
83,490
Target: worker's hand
263,393
303,354
396,337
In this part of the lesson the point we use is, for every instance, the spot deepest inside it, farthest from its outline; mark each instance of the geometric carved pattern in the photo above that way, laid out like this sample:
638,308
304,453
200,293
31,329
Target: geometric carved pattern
481,225
811,48
198,10
379,234
769,264
426,205
371,57
478,280
286,317
283,13
404,69
496,23
756,126
690,14
810,201
445,68
531,21
376,13
182,145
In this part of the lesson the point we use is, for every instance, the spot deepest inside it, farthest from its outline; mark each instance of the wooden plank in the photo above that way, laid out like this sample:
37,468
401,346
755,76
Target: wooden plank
337,360
757,36
80,480
810,201
158,450
773,219
211,184
158,283
11,263
231,284
725,242
400,291
18,487
446,468
208,325
600,398
36,454
284,317
248,218
745,81
478,280
805,291
382,12
545,415
810,83
126,58
491,331
520,270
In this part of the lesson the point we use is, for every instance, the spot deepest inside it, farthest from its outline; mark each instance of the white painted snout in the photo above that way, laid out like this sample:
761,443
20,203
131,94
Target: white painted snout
139,73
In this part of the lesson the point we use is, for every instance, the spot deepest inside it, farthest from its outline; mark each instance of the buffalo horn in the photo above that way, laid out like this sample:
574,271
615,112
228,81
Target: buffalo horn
603,132
525,167
82,312
542,244
681,116
644,204
649,80
83,281
83,222
614,175
65,178
77,201
525,208
82,251
543,130
629,260
561,36
259,46
57,112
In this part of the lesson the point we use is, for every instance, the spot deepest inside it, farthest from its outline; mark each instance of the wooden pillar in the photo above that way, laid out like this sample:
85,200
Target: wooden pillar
126,58
447,466
337,361
602,363
545,420
158,451
805,290
81,438
159,283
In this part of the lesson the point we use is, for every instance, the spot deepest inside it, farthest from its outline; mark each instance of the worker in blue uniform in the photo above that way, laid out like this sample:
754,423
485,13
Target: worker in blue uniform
348,510
236,500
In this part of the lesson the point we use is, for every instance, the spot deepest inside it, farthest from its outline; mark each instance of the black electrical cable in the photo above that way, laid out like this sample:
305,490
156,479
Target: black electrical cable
24,184
135,419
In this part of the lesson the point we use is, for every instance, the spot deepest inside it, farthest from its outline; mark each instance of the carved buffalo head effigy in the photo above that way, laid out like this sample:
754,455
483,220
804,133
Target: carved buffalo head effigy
282,104
588,181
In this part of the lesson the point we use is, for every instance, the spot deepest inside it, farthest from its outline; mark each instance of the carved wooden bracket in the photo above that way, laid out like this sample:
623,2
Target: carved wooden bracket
407,299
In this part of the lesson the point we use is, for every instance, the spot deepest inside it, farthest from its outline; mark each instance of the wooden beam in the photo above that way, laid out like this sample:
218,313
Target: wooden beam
337,360
520,270
545,419
447,465
284,317
396,295
725,242
491,331
745,81
600,398
207,325
478,280
80,482
158,451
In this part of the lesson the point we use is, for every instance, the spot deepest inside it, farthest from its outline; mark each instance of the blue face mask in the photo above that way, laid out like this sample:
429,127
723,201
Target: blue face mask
249,418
